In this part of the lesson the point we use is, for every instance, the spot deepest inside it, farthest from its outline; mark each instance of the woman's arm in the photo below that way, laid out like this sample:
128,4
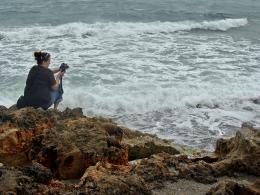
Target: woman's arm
57,79
55,70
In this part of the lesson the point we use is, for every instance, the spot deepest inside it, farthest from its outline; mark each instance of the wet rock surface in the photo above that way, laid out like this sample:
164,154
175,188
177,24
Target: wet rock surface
52,152
238,188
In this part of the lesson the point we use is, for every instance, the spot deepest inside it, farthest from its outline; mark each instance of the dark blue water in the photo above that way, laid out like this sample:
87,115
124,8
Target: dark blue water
30,12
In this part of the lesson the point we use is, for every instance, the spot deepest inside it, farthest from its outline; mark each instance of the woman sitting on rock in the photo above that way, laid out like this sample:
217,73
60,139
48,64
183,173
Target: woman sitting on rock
41,84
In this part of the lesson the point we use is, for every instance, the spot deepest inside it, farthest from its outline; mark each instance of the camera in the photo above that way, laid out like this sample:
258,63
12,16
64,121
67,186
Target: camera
64,67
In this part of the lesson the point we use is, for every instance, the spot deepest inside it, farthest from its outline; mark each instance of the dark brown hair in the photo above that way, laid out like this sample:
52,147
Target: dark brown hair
41,56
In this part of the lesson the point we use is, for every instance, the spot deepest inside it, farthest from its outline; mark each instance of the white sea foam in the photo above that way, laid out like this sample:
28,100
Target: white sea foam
191,87
118,28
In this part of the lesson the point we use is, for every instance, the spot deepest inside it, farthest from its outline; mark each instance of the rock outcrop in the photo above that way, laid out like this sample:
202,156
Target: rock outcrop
242,152
40,149
106,178
231,187
30,179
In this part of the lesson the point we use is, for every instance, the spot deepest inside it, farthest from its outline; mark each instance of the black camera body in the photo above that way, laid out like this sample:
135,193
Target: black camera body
64,67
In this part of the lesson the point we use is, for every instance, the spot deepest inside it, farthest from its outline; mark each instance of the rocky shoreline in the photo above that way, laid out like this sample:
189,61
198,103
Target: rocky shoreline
52,152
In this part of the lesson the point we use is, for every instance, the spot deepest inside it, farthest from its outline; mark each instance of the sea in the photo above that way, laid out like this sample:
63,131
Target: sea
185,70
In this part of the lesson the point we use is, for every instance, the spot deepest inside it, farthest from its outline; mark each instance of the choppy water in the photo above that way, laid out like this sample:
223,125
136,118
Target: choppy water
185,70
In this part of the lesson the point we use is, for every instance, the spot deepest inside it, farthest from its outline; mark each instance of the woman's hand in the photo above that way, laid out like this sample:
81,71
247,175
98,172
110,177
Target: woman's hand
60,75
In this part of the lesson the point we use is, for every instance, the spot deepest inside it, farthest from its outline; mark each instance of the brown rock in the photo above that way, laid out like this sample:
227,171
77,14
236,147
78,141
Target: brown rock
142,145
111,179
68,142
2,108
73,146
154,170
71,165
25,180
117,156
237,155
231,187
114,134
163,167
17,130
97,150
242,151
112,129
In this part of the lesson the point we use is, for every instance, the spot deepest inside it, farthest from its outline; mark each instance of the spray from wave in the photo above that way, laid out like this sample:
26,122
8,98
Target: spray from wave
119,28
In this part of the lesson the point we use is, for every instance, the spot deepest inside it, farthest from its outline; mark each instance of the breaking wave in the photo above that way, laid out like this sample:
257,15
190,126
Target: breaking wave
85,30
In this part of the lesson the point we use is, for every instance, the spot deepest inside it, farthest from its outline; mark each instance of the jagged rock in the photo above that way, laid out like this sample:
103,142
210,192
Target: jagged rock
3,109
164,167
116,156
74,113
242,152
17,130
114,134
69,145
231,187
154,170
144,145
23,181
238,154
68,142
146,149
106,178
71,164
25,118
37,172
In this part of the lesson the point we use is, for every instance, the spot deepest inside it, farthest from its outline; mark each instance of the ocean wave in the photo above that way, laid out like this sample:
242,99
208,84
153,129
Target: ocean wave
120,28
1,36
196,121
221,25
145,75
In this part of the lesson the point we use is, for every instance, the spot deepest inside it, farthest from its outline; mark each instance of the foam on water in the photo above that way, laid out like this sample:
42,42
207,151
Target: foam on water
167,78
117,28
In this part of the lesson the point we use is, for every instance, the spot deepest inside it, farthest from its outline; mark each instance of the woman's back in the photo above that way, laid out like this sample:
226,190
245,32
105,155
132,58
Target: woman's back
38,87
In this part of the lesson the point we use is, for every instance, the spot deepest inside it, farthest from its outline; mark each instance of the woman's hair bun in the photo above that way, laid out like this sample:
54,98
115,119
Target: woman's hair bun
41,56
37,54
